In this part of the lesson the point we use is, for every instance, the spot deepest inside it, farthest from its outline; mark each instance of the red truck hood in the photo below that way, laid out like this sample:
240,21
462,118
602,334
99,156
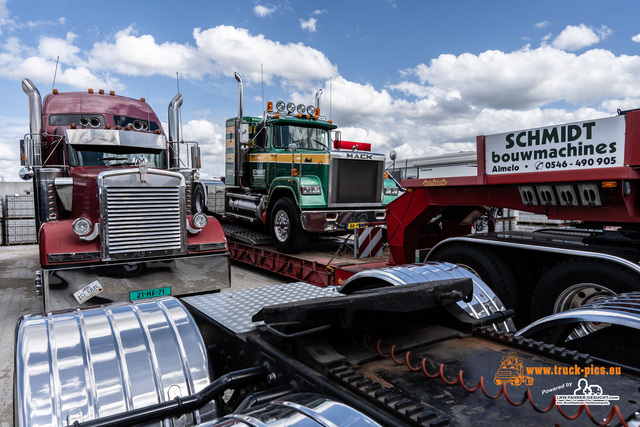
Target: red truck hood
85,191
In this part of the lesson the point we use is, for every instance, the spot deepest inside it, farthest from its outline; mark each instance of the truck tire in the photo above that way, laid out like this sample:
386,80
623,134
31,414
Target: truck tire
198,203
286,227
487,265
575,282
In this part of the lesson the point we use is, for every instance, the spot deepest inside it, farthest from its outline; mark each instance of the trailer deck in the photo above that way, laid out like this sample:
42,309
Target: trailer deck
326,262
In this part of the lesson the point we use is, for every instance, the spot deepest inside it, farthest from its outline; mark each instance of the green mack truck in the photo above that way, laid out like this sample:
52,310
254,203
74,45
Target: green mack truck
287,172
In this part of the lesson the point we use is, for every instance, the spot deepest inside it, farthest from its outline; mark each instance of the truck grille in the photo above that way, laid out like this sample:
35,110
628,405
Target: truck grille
356,181
141,222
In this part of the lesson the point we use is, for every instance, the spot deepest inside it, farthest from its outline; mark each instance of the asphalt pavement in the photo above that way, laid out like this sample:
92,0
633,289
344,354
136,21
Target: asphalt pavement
18,265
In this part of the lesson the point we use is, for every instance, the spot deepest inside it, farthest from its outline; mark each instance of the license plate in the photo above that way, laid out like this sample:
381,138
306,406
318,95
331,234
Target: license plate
89,291
149,293
354,225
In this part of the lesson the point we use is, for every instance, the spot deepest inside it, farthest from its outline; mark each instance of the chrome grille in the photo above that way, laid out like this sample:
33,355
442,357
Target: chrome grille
143,221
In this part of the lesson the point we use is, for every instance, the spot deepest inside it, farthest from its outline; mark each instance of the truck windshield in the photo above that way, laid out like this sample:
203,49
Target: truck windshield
101,155
310,138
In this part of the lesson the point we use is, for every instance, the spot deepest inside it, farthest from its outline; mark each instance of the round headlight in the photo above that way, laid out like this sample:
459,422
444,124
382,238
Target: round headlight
196,175
199,220
301,108
81,226
280,106
311,110
291,107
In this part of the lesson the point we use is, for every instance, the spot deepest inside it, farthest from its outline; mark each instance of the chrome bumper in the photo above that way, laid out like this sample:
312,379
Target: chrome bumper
336,220
127,281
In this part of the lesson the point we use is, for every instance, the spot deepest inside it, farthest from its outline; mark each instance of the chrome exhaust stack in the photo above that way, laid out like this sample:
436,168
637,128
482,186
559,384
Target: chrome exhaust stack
241,136
174,129
174,118
32,140
240,96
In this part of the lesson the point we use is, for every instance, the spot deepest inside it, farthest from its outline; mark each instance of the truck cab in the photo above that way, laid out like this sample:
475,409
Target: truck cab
288,171
111,205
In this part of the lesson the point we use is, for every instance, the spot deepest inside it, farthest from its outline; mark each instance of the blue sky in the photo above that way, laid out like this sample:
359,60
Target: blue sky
421,77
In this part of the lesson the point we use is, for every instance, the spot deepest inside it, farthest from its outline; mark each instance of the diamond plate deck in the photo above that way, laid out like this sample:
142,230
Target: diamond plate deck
241,234
234,309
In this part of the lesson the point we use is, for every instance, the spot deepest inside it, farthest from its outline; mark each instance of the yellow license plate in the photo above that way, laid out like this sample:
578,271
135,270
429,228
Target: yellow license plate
354,225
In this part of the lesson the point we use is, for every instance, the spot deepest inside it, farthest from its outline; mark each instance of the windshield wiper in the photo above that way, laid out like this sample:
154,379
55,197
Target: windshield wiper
321,143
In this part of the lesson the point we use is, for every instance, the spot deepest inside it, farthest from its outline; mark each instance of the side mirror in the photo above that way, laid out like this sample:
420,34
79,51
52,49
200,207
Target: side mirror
244,133
195,157
392,155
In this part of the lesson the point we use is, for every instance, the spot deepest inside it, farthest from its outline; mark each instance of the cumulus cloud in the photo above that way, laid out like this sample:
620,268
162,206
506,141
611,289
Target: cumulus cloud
294,64
636,38
4,12
263,11
530,78
134,55
578,37
309,24
434,107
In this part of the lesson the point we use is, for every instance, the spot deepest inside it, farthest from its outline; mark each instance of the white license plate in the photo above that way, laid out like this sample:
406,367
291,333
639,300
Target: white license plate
89,291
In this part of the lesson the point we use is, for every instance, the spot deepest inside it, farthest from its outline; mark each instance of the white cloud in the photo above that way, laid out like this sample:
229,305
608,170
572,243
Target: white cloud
309,25
320,12
576,38
51,48
262,11
435,107
295,64
636,38
530,78
4,12
134,55
542,24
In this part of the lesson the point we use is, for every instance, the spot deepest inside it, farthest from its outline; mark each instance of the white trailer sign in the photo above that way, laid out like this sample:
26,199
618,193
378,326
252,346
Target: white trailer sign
581,145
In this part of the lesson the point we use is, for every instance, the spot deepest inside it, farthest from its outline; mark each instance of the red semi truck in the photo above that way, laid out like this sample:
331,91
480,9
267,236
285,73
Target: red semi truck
113,202
585,172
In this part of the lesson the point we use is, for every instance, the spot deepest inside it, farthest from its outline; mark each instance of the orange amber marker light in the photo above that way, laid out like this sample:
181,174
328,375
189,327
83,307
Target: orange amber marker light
111,93
386,175
270,106
101,91
294,172
55,91
609,184
90,90
142,99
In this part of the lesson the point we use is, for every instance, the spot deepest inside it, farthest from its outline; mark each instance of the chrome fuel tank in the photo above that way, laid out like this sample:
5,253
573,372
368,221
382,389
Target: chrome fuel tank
84,364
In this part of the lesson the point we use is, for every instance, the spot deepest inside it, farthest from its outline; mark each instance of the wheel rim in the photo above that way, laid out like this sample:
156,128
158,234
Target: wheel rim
577,296
581,294
281,226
